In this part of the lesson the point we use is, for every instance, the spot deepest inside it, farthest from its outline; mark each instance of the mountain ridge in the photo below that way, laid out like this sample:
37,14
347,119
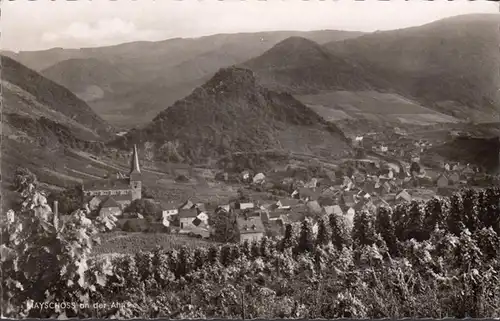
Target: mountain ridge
232,113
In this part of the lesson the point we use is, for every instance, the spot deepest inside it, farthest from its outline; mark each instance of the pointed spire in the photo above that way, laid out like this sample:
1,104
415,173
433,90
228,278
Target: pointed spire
134,164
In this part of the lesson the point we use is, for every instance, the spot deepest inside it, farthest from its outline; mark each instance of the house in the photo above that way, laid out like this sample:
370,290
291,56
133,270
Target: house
225,207
312,184
335,209
314,207
200,228
287,203
328,200
243,205
186,205
186,217
245,175
442,181
404,195
329,191
453,178
259,178
277,215
306,194
250,228
348,199
110,207
169,211
123,190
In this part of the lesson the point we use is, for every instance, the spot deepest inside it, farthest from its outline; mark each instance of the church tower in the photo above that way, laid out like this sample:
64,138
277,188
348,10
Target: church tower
135,176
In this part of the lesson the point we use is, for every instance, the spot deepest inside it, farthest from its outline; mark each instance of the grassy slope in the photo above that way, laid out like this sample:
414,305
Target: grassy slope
373,106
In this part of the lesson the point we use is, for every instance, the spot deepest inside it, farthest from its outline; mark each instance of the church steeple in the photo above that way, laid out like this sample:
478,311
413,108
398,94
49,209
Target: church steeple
134,163
135,176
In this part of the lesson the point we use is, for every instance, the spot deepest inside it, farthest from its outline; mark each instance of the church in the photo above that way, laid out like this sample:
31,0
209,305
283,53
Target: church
118,190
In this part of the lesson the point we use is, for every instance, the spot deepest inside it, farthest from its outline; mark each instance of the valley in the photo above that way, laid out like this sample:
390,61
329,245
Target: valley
278,174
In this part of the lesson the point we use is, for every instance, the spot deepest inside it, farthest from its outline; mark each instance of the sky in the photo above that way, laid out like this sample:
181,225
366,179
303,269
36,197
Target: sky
44,24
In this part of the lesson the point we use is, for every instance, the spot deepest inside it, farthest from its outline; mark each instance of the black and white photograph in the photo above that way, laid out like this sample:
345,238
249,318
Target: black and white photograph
279,159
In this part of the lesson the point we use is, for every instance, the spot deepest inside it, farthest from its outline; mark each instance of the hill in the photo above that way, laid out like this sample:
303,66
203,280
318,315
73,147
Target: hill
301,66
232,113
27,92
90,79
450,65
481,151
162,72
41,120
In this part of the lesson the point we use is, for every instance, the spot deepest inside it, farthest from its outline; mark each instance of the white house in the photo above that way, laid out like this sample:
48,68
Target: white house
170,211
244,206
259,178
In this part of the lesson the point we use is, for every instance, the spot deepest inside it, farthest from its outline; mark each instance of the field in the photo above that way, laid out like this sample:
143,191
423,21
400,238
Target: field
131,243
374,106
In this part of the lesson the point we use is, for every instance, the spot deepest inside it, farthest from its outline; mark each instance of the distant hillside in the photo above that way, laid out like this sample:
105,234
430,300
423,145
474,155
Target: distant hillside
90,79
232,113
484,152
299,65
27,92
450,65
129,84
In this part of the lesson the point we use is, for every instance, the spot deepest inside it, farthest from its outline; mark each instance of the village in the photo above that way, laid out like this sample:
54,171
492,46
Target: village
362,183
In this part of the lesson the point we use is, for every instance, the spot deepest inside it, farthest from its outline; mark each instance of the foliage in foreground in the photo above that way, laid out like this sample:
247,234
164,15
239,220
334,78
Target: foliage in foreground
434,259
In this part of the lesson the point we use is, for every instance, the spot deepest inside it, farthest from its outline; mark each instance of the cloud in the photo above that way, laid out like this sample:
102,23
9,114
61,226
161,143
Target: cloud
104,31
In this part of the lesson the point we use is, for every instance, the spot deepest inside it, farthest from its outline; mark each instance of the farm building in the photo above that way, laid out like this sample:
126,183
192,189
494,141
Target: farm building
243,205
251,228
186,217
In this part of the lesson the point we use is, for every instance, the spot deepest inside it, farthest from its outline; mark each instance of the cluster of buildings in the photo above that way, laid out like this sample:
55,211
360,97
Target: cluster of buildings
367,185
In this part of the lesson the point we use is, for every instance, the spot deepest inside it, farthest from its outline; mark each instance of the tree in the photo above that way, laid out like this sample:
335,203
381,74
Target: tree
340,236
305,241
144,207
363,232
385,227
23,177
225,226
434,215
455,219
414,222
323,236
68,200
289,238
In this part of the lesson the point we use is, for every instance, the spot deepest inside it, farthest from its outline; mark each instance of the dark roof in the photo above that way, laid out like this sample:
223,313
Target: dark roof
197,222
252,224
109,202
187,205
106,184
186,213
289,202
